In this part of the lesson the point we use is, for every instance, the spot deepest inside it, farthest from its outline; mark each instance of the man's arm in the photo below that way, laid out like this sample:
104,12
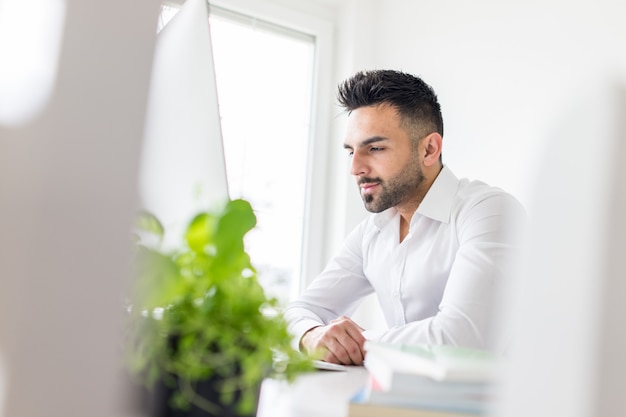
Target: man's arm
317,319
318,322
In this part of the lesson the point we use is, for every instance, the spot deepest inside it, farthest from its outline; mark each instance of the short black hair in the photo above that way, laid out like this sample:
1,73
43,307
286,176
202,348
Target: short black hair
415,101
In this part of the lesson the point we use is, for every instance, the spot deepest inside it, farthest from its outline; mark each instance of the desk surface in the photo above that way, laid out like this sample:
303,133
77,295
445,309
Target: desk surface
322,393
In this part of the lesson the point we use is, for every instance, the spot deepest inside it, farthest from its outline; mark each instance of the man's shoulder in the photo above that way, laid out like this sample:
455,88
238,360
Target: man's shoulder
474,193
474,188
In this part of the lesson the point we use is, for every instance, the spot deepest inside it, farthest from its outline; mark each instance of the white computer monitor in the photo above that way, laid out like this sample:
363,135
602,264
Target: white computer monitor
182,169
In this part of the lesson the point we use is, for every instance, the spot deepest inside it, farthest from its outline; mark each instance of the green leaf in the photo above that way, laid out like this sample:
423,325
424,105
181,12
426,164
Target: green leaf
157,283
199,233
237,219
148,222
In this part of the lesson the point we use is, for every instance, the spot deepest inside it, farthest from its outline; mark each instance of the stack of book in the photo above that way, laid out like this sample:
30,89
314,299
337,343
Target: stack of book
425,381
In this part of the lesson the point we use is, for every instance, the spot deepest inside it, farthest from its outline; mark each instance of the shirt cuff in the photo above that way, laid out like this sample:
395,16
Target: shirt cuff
373,335
300,328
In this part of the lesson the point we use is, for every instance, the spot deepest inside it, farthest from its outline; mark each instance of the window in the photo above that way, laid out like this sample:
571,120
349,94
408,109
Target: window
264,80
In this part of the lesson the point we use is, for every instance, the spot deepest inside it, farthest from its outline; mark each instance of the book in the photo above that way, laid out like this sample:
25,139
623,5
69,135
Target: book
377,410
364,404
383,376
428,379
423,393
441,363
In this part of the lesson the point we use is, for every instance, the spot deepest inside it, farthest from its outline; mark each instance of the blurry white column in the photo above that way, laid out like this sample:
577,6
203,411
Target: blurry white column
67,194
568,303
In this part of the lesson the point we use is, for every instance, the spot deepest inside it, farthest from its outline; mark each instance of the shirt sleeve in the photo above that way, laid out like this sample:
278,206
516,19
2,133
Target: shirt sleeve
335,292
489,234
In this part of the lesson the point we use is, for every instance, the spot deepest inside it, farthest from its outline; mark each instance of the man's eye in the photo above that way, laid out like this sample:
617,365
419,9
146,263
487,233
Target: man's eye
375,149
351,153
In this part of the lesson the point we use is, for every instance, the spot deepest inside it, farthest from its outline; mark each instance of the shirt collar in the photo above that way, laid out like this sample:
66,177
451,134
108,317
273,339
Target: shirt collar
437,203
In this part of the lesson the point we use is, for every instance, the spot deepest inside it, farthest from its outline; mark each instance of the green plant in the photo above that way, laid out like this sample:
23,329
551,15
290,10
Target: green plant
199,312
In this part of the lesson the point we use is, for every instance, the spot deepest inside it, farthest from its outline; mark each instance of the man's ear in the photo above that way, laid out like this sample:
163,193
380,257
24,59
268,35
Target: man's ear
431,149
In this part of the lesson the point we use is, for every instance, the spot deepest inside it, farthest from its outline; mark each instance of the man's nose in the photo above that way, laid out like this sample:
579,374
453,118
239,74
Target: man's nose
358,167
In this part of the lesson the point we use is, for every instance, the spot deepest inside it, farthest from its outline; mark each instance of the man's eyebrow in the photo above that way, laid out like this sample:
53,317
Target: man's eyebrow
368,141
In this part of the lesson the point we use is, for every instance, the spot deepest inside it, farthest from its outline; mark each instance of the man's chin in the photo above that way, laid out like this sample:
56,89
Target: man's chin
371,207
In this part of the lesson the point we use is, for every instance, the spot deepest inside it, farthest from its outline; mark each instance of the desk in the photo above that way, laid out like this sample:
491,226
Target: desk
319,394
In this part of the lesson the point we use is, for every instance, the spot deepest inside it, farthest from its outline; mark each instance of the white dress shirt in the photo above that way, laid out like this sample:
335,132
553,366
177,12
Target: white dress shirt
438,285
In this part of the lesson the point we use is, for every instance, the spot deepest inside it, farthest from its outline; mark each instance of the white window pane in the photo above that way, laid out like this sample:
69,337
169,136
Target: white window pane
264,81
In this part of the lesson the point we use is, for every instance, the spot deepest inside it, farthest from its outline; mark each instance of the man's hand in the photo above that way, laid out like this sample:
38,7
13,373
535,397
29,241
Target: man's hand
341,342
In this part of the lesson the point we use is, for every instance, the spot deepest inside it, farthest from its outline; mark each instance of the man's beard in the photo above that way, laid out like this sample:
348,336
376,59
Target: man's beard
394,191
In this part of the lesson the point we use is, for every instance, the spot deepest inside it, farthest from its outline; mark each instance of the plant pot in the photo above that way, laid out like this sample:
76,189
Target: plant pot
160,401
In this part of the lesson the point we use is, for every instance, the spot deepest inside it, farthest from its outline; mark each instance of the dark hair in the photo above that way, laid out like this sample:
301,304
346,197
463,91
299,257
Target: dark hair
415,101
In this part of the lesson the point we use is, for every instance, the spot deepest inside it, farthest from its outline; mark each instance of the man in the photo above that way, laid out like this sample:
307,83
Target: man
435,250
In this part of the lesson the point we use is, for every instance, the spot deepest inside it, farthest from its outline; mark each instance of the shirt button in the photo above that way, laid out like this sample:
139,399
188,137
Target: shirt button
396,294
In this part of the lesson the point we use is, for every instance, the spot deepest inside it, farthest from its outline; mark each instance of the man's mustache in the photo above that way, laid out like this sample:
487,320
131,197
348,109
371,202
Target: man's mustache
368,181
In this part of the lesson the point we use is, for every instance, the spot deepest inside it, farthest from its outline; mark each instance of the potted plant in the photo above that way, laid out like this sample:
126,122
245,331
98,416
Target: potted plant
203,332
